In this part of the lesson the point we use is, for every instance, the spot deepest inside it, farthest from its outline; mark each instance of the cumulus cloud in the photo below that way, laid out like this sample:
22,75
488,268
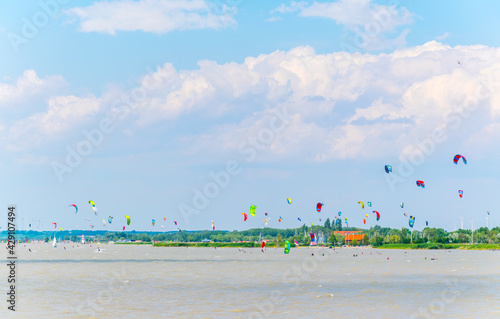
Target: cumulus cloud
156,16
343,105
29,85
337,105
64,114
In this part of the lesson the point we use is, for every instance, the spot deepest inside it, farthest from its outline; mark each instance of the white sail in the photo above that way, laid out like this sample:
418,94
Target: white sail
54,242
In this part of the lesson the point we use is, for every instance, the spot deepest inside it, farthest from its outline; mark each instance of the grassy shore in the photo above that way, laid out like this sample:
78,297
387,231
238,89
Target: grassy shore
133,243
246,245
440,246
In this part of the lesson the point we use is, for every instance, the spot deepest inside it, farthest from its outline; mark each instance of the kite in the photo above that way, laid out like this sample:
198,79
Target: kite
103,222
488,212
362,204
175,223
252,210
55,225
388,169
340,213
402,204
313,239
123,227
318,207
213,227
265,214
364,221
76,211
296,243
128,219
287,247
91,202
378,214
245,216
426,223
411,221
110,219
421,184
289,200
460,193
299,219
457,157
153,222
369,204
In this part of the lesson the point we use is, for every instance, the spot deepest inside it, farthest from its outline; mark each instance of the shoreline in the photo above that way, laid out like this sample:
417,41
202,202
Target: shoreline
429,246
436,246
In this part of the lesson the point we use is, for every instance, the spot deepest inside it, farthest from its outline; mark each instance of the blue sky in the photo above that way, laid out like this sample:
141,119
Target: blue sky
303,99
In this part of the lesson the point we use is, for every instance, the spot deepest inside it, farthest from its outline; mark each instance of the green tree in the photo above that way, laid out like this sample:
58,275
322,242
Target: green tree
327,224
365,240
394,239
340,239
332,239
279,239
376,241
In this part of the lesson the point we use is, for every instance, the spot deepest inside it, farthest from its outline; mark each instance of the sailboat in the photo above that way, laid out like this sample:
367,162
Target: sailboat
54,242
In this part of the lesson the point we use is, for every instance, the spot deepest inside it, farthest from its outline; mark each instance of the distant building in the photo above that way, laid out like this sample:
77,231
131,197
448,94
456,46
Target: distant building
351,235
206,240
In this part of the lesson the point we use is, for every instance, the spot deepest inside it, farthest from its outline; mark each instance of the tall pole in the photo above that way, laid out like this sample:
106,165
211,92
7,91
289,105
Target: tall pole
472,236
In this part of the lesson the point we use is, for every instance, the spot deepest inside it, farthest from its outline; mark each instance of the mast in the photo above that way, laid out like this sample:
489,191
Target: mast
472,237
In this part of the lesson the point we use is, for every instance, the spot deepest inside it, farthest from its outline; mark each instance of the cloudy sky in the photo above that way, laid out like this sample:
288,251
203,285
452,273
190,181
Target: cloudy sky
195,110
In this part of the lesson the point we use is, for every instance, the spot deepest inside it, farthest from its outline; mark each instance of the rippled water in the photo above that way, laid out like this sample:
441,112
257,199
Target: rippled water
157,282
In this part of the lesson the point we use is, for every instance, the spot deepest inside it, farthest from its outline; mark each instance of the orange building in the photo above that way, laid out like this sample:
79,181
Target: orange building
351,235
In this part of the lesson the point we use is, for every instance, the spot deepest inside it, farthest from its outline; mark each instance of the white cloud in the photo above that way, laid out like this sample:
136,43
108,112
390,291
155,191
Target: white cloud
360,13
156,16
272,19
29,85
65,114
294,6
443,36
341,105
371,26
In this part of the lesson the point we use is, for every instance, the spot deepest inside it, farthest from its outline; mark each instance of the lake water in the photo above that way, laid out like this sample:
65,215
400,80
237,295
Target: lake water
158,282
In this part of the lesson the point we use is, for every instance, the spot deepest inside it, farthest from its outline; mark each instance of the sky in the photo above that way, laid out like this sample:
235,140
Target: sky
193,110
